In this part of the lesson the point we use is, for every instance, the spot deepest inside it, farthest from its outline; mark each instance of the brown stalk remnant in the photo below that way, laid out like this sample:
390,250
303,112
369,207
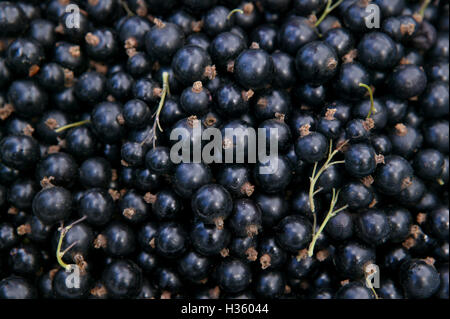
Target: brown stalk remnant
149,198
52,149
280,117
329,115
332,63
407,28
379,159
59,29
350,56
302,254
28,130
152,243
6,111
115,195
141,9
157,92
247,189
129,212
421,218
368,124
34,69
248,8
75,51
124,163
409,243
367,180
210,72
304,130
131,43
197,26
224,252
98,291
131,52
197,87
99,67
373,203
230,66
159,24
251,254
110,98
68,77
80,262
322,255
252,230
227,143
214,293
114,175
247,95
46,182
100,242
404,61
210,120
287,290
265,261
92,39
417,17
262,103
254,46
406,183
23,229
192,121
312,19
430,261
219,222
345,282
401,129
120,119
336,25
166,295
51,123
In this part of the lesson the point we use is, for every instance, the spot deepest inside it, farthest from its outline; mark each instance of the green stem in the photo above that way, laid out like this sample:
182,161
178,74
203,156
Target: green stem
372,108
423,7
71,125
59,254
369,283
327,11
127,8
331,214
233,12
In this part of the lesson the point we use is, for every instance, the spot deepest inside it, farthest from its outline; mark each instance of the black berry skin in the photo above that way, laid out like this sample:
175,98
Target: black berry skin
340,39
407,81
270,284
273,176
209,240
377,50
27,98
52,204
391,176
194,266
190,177
105,123
254,69
22,192
189,64
233,275
354,290
12,19
171,240
348,80
438,222
400,221
225,48
295,33
351,258
97,205
284,70
90,87
419,279
435,100
20,152
294,233
428,164
360,160
163,41
24,54
122,279
373,227
95,172
316,62
246,218
212,203
61,290
311,148
15,287
340,227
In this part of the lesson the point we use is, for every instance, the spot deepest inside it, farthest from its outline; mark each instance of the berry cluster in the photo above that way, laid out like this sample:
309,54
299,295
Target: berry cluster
93,206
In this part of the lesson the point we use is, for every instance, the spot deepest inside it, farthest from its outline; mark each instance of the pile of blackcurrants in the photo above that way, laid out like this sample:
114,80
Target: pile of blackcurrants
92,204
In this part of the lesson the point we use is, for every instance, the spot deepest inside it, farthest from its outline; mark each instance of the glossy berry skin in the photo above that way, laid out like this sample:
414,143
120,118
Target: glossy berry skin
105,123
438,223
391,176
340,227
254,69
95,172
216,20
171,240
246,218
15,287
377,50
70,56
400,221
101,44
373,227
379,116
293,233
119,85
273,207
81,142
436,135
209,240
27,98
8,236
122,279
189,64
428,164
284,70
42,31
12,19
316,62
167,206
233,275
354,290
24,260
357,131
136,113
163,41
271,254
52,204
20,152
194,266
435,99
311,148
132,154
195,100
158,160
407,81
295,33
360,160
270,102
190,177
348,79
97,205
419,279
270,284
236,179
61,290
266,36
231,100
212,204
24,54
340,39
351,258
225,48
120,239
21,193
90,87
406,140
273,176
